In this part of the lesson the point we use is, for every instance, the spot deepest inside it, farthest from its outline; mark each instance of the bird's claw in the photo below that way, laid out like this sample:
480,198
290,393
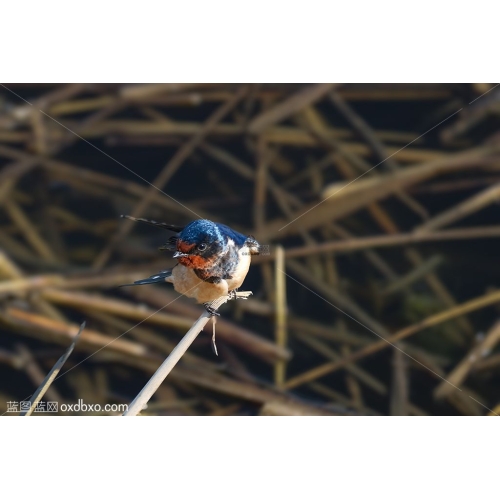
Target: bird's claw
235,294
211,310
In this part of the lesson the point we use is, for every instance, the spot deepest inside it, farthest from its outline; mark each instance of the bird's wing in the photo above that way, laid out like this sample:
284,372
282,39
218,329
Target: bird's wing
253,245
163,225
161,277
238,238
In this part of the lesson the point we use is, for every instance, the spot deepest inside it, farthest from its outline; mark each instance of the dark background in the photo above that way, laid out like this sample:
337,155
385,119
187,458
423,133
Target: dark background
134,132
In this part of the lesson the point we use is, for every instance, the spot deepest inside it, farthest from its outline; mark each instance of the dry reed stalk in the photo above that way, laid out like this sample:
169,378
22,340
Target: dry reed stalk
35,372
41,327
29,231
46,383
400,384
290,106
280,323
362,243
22,113
353,386
295,137
85,301
462,210
463,368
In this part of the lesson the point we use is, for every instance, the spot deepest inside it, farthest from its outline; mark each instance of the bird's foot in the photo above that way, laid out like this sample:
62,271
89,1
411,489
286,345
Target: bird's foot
235,294
212,306
211,310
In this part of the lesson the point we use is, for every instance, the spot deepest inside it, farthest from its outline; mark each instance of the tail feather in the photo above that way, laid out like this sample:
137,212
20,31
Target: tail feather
163,225
161,277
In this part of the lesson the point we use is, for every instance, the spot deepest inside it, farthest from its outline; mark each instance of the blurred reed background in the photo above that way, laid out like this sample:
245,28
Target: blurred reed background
378,203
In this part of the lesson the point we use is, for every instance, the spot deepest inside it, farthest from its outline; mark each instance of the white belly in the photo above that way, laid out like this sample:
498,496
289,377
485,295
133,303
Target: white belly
187,283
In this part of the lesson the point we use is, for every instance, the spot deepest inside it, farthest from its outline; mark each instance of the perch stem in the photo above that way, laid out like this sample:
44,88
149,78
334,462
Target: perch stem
167,366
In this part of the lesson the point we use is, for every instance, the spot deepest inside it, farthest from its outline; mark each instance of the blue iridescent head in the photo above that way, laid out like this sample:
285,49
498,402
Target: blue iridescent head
199,231
200,243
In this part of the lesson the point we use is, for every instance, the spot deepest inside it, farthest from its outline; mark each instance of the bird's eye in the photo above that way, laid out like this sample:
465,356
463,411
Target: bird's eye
202,247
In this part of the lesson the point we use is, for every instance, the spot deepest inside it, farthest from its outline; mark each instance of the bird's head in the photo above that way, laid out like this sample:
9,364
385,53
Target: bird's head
200,244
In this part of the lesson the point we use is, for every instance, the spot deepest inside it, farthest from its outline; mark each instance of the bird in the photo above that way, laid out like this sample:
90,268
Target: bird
213,260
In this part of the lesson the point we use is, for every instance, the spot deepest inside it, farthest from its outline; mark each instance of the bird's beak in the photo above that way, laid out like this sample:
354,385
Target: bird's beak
179,254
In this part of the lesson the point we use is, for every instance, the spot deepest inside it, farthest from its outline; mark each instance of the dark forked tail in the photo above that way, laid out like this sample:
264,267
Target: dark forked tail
163,225
161,277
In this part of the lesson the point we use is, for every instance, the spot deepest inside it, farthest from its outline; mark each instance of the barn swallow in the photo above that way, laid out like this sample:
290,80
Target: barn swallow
213,260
